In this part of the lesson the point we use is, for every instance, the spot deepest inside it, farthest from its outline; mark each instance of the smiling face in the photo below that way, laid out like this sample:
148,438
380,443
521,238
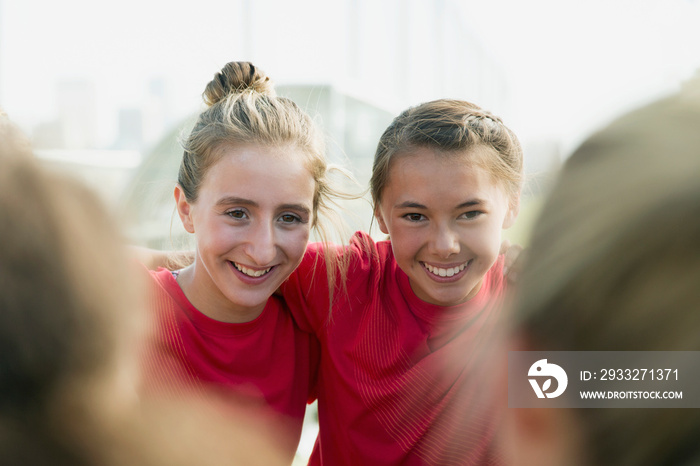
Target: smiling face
251,221
444,215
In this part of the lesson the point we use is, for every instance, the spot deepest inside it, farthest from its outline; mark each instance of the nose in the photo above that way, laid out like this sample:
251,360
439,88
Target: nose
261,245
445,242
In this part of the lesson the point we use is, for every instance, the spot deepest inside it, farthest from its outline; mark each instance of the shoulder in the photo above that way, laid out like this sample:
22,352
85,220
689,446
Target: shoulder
163,277
367,256
359,252
350,266
364,247
164,290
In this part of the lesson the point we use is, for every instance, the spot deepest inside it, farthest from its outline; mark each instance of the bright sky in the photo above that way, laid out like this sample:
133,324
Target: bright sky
570,64
575,64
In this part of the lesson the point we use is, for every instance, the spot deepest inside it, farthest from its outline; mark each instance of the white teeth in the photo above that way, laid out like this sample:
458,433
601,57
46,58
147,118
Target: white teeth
250,272
445,272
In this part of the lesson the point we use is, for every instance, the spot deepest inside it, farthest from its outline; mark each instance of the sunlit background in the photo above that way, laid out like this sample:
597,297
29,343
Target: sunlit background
104,88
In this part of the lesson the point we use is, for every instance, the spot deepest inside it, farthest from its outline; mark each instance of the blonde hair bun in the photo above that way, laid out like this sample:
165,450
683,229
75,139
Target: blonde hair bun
237,77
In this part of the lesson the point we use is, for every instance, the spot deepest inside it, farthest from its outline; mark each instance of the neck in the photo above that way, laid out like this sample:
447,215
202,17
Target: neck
208,299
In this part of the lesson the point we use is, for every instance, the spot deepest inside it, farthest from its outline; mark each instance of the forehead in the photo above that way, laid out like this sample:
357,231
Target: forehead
427,173
258,171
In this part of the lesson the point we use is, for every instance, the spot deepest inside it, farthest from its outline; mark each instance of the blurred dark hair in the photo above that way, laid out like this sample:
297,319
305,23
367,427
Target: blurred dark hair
614,265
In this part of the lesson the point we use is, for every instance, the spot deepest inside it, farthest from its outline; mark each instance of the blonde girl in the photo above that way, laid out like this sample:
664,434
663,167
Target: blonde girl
251,187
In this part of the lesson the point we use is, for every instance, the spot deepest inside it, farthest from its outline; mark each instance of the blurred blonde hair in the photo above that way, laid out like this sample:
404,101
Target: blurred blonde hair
614,265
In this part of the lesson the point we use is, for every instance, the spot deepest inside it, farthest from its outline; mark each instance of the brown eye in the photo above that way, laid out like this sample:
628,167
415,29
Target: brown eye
290,218
237,214
414,217
472,214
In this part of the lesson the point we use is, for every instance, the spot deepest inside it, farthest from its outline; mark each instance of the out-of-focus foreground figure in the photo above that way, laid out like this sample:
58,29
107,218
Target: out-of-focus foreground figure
614,265
71,323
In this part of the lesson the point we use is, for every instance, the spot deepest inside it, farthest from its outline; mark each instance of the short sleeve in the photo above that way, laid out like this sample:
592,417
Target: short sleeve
307,292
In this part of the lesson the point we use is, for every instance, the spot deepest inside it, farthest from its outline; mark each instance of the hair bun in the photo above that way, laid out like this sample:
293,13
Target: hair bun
237,77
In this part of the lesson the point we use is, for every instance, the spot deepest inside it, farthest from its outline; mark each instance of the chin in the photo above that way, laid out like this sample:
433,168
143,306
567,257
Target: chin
452,302
249,302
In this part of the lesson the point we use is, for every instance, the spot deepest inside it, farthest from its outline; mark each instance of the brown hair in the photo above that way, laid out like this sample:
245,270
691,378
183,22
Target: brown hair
58,245
451,126
614,265
64,318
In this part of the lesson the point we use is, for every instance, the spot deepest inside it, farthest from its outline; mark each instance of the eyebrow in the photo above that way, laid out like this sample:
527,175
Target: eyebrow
297,207
228,200
235,200
416,205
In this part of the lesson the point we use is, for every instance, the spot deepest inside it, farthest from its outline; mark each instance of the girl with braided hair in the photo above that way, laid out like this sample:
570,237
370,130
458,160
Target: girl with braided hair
401,379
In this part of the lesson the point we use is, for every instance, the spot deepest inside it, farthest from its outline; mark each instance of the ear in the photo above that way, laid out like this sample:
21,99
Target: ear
184,209
512,214
380,220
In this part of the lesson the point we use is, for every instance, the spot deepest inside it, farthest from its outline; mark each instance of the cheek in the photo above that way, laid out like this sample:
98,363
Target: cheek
485,241
490,243
405,244
215,237
213,231
295,243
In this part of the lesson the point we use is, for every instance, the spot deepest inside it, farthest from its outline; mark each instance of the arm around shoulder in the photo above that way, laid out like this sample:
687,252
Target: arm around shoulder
152,259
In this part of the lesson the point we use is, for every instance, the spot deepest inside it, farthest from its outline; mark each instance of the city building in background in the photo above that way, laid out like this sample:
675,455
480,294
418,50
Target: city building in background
352,70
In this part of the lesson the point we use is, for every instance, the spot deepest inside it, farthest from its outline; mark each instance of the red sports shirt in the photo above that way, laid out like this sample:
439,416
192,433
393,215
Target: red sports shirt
267,362
401,380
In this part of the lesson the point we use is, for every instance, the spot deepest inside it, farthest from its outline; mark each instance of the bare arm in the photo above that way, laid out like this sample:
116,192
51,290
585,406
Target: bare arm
153,258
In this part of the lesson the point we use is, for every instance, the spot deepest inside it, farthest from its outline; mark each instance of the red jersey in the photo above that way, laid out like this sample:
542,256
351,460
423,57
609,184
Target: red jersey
267,361
400,380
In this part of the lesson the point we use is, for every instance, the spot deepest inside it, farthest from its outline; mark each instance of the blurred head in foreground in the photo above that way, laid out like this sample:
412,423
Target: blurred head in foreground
615,266
70,325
